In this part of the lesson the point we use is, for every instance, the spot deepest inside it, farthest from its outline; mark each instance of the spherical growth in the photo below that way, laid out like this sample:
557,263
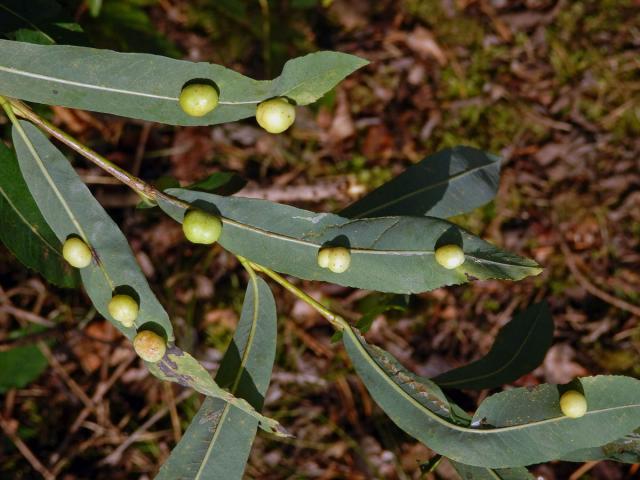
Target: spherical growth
124,309
275,115
76,252
340,260
201,227
149,346
198,99
450,256
573,404
336,259
324,256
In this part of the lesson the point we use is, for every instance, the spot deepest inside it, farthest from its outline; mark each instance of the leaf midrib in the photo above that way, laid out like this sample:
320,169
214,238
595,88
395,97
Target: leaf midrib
422,190
356,250
243,362
90,86
534,324
61,199
452,426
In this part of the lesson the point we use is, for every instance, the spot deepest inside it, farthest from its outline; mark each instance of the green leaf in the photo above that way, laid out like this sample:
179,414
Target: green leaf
147,87
520,347
443,185
218,441
390,254
625,450
25,232
305,79
38,21
467,472
220,183
180,367
20,367
519,427
70,209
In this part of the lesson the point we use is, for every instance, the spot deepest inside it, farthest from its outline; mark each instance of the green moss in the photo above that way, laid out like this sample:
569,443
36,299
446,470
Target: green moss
463,30
476,220
492,305
615,360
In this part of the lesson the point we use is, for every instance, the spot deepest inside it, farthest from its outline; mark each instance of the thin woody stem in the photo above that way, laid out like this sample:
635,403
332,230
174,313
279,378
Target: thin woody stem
143,188
337,321
14,107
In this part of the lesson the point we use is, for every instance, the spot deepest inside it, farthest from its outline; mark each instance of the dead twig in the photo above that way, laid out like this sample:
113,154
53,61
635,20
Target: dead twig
60,458
591,288
9,343
25,315
114,457
584,468
26,452
173,410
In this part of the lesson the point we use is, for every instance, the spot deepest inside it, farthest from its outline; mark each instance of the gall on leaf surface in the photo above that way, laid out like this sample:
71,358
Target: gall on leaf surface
218,441
388,254
104,81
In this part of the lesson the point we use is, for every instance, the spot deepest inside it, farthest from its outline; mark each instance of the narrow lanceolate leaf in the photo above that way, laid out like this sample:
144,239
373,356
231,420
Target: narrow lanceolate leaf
148,86
218,441
180,367
445,184
70,209
625,450
520,347
467,472
390,254
24,231
512,431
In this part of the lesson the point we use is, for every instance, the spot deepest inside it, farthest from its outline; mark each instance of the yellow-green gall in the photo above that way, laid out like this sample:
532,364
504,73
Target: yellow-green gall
275,115
76,252
198,99
573,404
201,227
336,259
124,309
340,260
323,257
149,346
450,256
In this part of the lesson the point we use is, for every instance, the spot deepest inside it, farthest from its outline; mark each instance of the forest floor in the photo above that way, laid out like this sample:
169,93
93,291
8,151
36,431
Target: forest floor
552,87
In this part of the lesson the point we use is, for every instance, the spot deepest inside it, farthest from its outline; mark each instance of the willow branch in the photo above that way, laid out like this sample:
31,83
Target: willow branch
143,188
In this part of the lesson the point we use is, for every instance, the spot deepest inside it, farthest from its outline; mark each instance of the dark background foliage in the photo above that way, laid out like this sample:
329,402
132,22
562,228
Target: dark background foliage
553,87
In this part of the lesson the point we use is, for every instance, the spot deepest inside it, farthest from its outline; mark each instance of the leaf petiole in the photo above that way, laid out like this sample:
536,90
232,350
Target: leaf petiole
337,321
